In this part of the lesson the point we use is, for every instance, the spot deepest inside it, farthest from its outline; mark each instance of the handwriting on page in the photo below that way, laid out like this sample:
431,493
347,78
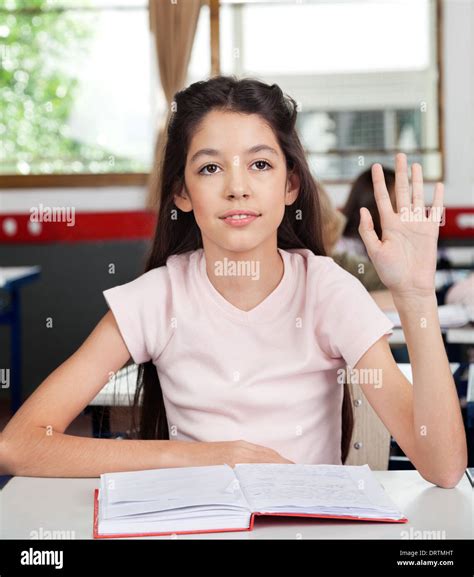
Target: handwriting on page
299,486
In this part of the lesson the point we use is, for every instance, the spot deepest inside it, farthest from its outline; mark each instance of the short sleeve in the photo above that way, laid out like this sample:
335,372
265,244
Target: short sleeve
348,321
140,308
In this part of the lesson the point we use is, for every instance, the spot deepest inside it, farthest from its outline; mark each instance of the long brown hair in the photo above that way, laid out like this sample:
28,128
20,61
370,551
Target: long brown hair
300,228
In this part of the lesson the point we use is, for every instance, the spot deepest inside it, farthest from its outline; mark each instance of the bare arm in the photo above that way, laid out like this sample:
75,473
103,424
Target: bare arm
440,434
425,420
405,260
33,444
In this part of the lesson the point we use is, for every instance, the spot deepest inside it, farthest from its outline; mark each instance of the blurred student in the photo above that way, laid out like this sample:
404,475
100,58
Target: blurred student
462,293
362,195
333,224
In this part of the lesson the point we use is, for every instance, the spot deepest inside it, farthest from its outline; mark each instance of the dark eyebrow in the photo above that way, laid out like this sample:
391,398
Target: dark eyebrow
214,152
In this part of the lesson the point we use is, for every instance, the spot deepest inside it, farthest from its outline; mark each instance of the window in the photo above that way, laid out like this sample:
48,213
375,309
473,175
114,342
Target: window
77,87
342,143
362,94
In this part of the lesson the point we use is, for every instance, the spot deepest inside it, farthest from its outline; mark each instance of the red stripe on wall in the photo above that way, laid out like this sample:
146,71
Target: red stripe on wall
459,223
135,225
78,227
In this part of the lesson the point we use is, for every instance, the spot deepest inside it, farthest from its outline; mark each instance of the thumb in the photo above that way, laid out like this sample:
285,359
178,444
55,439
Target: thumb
367,231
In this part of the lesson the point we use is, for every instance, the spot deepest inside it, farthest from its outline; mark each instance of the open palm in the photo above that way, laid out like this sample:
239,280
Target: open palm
405,257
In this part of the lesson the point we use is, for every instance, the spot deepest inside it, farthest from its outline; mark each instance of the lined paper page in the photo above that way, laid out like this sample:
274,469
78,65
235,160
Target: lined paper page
271,486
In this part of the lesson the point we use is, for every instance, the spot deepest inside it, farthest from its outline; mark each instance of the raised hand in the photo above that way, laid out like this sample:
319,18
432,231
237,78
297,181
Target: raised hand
406,255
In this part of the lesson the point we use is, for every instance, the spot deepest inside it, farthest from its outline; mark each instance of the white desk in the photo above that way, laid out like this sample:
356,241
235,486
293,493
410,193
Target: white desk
397,337
118,391
458,255
460,336
16,274
34,504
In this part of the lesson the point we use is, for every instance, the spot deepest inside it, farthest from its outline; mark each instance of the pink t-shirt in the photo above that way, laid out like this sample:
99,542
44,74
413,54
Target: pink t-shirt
268,375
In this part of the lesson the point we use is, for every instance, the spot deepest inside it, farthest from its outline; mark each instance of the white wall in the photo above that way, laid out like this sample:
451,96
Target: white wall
458,90
459,101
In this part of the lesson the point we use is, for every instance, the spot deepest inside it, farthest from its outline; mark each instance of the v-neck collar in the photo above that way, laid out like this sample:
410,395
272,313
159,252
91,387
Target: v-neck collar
265,311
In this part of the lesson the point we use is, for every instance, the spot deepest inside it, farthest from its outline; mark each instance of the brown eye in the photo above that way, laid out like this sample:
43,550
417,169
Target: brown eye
260,162
207,166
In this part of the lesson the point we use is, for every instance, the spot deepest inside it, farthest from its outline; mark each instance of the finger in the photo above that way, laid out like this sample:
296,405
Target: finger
382,198
402,187
417,184
367,231
437,208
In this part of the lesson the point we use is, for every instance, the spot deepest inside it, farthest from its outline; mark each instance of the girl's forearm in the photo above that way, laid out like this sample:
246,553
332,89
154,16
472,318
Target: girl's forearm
439,430
39,454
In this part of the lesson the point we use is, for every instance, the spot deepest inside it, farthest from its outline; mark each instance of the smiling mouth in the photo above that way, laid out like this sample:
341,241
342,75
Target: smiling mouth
242,216
240,220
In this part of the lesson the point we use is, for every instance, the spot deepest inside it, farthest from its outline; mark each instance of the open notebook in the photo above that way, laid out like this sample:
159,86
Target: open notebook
221,498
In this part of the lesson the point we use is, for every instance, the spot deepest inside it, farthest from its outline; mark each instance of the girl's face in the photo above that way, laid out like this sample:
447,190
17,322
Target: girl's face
235,162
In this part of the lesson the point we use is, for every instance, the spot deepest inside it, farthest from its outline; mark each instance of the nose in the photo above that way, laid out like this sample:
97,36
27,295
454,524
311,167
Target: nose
237,187
237,193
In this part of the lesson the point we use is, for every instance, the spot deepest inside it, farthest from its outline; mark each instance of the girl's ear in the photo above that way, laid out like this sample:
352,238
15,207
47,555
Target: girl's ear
292,188
182,200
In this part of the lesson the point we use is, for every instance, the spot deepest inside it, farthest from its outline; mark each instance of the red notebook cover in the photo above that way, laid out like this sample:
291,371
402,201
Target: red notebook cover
252,519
